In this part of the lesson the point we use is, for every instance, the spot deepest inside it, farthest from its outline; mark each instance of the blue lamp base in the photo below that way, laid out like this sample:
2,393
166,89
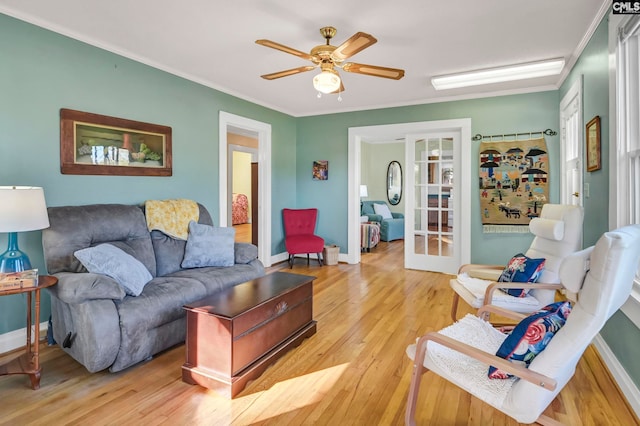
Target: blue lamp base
14,260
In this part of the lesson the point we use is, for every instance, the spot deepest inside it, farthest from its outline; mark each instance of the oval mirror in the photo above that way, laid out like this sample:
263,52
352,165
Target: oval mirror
394,183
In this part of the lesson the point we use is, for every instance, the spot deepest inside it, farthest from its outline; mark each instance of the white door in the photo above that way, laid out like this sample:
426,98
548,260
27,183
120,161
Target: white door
571,146
432,211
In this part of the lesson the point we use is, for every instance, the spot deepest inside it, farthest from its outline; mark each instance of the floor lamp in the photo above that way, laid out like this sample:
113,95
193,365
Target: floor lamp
22,208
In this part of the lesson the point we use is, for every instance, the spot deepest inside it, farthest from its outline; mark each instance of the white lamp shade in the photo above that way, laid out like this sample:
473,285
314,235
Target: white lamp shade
326,82
363,191
22,208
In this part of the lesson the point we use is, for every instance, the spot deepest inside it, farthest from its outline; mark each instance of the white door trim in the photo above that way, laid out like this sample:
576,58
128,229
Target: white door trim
391,132
264,171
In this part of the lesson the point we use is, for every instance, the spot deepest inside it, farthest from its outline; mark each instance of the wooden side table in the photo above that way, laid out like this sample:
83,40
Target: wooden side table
28,362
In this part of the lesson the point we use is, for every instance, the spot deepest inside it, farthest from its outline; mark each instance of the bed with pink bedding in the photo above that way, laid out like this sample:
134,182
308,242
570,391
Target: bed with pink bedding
240,209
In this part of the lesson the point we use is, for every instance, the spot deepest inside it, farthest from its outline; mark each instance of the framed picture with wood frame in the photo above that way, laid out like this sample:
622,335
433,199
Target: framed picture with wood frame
93,144
593,144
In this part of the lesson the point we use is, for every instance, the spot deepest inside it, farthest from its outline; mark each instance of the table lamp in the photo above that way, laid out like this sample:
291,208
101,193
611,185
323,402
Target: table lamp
363,193
22,208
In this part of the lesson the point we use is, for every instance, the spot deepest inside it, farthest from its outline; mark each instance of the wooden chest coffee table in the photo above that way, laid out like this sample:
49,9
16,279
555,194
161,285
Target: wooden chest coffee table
234,335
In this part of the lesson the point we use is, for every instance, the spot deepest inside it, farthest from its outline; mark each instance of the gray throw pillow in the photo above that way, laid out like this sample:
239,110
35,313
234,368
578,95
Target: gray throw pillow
109,260
209,246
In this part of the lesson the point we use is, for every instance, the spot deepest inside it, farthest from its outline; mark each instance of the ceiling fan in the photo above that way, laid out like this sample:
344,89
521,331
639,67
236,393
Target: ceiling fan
328,58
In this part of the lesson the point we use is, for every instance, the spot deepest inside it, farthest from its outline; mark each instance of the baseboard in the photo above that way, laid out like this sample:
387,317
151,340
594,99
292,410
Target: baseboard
283,257
631,308
18,338
626,385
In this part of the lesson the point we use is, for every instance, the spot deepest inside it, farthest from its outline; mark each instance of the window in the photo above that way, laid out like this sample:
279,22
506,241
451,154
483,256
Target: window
624,191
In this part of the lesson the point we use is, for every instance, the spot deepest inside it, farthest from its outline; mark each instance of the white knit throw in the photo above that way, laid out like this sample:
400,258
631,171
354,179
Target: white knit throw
465,371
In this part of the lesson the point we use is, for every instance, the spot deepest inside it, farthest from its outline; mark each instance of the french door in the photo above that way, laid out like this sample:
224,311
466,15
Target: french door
433,214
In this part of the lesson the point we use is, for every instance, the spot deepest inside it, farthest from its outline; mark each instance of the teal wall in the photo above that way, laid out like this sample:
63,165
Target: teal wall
623,338
41,72
326,137
621,335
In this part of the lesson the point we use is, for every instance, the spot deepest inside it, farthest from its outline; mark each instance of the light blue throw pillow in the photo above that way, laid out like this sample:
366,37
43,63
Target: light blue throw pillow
106,259
209,246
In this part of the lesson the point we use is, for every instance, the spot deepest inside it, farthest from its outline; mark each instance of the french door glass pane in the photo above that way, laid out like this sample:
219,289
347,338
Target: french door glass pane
433,212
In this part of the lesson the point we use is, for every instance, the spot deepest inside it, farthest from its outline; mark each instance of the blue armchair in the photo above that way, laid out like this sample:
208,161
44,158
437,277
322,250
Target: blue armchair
390,229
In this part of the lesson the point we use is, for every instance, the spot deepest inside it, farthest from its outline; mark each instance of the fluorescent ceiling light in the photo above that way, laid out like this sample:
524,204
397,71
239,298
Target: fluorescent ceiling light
497,75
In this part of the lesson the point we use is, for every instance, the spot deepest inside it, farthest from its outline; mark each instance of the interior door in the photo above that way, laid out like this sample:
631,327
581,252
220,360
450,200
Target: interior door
432,220
571,147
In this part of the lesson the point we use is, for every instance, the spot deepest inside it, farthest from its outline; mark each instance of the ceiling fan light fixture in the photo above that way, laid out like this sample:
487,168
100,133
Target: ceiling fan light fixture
328,81
497,75
328,57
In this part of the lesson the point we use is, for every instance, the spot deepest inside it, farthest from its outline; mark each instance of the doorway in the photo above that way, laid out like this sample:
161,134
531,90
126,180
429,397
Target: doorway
377,181
231,123
571,142
359,135
243,206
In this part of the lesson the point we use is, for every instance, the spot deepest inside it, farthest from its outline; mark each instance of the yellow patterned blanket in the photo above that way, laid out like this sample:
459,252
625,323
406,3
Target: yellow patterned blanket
171,216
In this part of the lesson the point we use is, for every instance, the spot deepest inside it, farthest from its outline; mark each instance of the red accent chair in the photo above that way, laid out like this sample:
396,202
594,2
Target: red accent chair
299,237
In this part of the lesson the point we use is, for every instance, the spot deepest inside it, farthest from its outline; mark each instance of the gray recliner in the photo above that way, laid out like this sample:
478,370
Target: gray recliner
93,319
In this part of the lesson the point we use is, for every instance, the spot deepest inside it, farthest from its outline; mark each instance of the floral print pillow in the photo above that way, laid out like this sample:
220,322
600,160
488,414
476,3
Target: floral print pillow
521,269
531,336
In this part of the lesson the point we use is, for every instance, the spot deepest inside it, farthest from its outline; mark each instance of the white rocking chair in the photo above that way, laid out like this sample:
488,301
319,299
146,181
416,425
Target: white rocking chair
462,352
558,233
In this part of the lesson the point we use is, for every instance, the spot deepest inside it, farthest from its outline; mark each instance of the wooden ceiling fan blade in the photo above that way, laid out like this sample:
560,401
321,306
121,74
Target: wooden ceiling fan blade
374,70
285,49
358,42
286,73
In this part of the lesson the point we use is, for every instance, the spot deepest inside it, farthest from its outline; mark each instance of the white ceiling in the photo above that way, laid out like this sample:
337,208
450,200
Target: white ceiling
212,42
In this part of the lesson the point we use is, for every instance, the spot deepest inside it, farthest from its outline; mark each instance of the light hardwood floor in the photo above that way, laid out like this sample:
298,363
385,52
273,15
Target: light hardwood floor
353,371
243,233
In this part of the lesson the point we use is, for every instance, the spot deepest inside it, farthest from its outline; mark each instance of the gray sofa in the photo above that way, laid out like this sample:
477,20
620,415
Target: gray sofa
93,319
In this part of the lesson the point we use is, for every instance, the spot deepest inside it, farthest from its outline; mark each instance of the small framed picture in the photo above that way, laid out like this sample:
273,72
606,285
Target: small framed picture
320,170
593,144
